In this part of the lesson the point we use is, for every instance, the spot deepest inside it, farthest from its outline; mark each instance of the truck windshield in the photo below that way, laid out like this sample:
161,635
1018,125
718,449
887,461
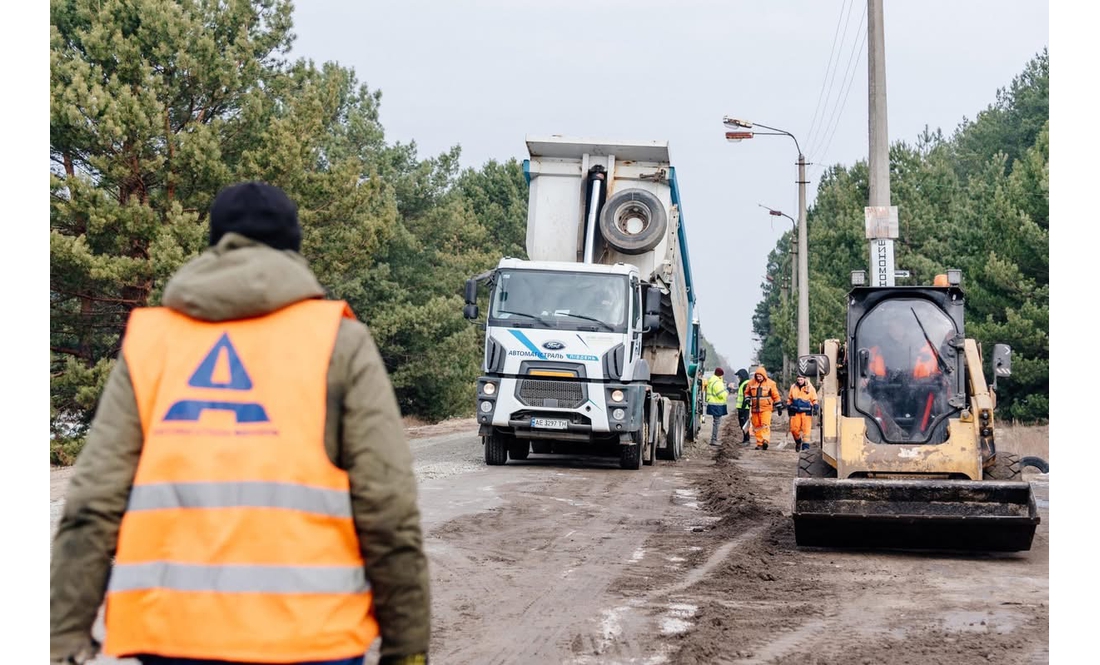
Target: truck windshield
540,298
906,371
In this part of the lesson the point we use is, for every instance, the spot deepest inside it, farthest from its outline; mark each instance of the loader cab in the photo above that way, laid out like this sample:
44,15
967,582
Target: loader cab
905,373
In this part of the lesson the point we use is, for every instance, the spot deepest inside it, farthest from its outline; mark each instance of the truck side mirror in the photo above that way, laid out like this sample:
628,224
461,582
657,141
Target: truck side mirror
1002,360
471,293
864,359
470,312
816,365
652,301
651,322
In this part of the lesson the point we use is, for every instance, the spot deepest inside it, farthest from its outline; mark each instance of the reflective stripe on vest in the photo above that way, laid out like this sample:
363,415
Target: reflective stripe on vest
158,496
238,541
238,578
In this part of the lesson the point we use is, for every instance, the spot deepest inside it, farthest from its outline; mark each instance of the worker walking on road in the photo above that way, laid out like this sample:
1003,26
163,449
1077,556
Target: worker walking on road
801,405
247,469
763,396
717,395
742,404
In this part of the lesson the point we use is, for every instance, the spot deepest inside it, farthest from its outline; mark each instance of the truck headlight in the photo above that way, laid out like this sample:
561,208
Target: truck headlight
618,414
617,396
486,407
489,388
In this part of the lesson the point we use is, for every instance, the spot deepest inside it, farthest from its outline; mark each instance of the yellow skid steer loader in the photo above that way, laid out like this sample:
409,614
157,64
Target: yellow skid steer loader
908,458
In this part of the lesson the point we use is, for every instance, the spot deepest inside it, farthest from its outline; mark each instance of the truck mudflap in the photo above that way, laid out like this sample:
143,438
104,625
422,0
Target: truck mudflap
963,515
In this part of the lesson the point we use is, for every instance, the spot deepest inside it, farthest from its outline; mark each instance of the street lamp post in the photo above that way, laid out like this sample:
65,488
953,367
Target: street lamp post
803,264
793,252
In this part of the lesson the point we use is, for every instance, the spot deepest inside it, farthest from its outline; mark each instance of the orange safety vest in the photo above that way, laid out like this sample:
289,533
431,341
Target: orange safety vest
762,396
238,541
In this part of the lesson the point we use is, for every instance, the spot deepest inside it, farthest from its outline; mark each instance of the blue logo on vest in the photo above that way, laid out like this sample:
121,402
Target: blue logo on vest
204,377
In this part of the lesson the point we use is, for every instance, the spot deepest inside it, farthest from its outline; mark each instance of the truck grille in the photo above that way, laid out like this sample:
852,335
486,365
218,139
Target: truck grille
553,394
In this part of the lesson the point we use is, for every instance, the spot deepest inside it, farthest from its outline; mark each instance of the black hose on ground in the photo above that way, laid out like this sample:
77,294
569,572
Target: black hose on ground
1037,462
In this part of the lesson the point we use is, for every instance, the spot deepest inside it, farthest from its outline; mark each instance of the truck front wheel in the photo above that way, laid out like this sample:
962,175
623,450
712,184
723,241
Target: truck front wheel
630,455
496,448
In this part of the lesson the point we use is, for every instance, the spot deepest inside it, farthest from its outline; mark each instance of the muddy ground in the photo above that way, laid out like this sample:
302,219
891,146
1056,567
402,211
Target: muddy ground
572,560
695,562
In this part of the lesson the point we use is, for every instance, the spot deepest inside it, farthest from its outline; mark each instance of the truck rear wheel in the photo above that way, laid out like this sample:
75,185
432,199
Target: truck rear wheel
679,427
633,221
677,431
1006,466
496,448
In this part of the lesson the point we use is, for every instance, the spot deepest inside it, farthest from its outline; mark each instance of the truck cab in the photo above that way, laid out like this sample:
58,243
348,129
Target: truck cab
563,354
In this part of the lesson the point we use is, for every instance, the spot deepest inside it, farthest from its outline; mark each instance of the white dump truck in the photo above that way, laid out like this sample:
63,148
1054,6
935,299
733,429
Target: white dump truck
591,344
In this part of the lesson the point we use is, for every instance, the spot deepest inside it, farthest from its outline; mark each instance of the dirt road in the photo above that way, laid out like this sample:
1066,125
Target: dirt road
557,560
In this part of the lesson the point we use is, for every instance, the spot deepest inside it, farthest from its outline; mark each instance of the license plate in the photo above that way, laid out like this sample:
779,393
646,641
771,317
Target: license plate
550,423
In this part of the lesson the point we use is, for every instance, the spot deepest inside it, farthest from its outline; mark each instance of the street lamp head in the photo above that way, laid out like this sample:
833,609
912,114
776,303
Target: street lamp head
735,122
775,213
736,137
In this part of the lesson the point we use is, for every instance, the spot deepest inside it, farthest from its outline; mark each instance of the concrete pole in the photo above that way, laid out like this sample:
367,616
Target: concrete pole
783,294
803,263
881,247
879,155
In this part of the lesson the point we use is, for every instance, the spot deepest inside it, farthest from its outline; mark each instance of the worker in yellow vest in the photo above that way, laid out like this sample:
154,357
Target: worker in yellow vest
742,404
717,395
247,469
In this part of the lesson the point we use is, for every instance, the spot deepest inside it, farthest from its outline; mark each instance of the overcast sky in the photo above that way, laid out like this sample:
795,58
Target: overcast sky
484,74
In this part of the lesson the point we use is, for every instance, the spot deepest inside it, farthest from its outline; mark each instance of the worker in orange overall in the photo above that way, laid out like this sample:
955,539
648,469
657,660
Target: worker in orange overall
801,405
245,494
763,397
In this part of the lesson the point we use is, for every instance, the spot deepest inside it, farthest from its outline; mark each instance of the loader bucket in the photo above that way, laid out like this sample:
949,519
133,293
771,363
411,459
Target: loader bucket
964,515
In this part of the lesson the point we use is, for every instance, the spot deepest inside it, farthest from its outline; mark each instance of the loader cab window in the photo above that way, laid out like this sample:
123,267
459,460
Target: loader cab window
905,371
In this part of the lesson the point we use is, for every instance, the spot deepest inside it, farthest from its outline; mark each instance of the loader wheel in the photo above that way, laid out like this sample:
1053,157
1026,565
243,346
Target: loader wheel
633,221
811,464
496,448
519,449
1006,466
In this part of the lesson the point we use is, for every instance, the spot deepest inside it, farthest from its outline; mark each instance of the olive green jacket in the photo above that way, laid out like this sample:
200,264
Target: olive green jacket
364,434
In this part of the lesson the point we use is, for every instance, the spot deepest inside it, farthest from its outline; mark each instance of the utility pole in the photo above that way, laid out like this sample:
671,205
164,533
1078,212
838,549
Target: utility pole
880,217
803,267
783,296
